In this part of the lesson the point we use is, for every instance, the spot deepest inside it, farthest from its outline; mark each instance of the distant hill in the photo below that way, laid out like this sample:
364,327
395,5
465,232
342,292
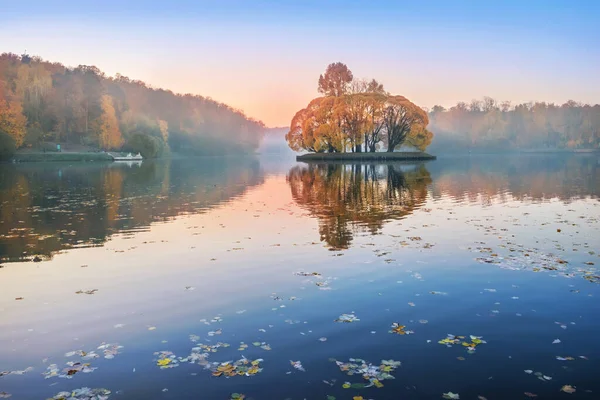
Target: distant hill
41,101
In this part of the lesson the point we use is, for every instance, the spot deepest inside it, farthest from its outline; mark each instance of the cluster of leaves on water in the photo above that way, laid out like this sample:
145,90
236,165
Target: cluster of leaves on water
166,359
243,366
470,344
84,393
374,374
108,350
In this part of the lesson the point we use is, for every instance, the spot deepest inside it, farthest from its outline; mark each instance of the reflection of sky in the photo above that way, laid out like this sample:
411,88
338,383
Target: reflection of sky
241,252
141,278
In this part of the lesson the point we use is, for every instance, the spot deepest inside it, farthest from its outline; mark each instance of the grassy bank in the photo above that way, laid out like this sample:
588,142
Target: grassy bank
68,157
383,156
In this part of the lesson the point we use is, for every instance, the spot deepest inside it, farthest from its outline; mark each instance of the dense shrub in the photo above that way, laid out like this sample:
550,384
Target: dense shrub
7,146
147,146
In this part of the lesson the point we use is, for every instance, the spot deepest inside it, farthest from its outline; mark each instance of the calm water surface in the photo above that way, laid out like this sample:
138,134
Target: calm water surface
189,264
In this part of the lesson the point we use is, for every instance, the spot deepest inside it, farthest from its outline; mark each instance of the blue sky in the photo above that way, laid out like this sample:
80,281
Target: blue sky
265,56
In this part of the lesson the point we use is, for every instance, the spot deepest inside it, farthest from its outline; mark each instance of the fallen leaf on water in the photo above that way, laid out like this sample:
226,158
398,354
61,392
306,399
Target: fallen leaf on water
399,329
568,389
86,291
556,341
347,318
297,365
451,395
529,394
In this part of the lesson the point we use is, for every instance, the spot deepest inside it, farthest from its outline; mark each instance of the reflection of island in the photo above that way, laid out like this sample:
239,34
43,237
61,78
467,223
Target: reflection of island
47,208
353,197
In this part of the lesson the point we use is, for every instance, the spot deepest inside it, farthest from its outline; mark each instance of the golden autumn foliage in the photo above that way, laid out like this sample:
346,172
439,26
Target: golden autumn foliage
108,126
42,101
12,121
356,115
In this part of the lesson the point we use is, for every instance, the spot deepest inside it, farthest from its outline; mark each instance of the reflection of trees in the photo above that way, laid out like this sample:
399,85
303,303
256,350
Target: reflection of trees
44,209
346,198
502,178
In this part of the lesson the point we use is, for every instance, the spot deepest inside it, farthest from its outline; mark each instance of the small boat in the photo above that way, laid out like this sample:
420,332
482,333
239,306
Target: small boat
129,157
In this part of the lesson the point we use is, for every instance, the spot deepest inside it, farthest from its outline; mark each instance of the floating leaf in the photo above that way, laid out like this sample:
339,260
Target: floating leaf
568,389
450,395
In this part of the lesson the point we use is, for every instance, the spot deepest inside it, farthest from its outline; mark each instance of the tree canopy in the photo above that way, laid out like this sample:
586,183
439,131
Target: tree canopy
489,124
42,101
356,115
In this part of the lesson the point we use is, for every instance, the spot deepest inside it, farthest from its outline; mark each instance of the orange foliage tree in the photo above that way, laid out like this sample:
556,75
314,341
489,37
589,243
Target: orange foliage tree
356,115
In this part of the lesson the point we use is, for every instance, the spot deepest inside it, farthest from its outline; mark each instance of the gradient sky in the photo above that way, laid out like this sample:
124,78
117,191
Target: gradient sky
265,57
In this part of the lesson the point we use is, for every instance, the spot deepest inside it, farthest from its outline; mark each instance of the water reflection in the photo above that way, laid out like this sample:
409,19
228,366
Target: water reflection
485,179
50,207
347,198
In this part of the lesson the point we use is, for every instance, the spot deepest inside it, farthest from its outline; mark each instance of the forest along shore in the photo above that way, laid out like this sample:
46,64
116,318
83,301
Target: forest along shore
383,156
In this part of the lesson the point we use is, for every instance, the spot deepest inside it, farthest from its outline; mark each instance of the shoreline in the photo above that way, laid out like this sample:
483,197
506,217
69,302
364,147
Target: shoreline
63,156
383,156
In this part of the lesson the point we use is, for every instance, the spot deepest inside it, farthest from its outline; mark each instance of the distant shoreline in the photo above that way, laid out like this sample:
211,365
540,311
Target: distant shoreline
382,156
29,156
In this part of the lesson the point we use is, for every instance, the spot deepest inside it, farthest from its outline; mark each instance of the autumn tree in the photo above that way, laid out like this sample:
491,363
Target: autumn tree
356,115
108,126
336,80
12,121
399,117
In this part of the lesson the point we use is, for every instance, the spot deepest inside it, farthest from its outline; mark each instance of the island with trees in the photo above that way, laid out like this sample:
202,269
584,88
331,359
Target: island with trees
356,119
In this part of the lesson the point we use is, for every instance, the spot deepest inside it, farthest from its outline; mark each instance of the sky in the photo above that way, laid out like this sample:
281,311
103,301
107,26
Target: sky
265,57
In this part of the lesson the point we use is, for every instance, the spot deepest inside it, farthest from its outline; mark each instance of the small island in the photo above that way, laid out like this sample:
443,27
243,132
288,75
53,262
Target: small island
377,156
357,120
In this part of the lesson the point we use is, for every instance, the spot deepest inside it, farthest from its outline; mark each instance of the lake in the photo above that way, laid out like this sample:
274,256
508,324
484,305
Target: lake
472,277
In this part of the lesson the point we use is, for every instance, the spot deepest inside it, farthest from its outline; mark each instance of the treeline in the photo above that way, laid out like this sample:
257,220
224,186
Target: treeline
356,115
42,102
488,124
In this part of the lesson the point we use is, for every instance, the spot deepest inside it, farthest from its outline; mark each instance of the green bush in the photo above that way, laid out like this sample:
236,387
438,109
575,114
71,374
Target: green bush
7,146
147,146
